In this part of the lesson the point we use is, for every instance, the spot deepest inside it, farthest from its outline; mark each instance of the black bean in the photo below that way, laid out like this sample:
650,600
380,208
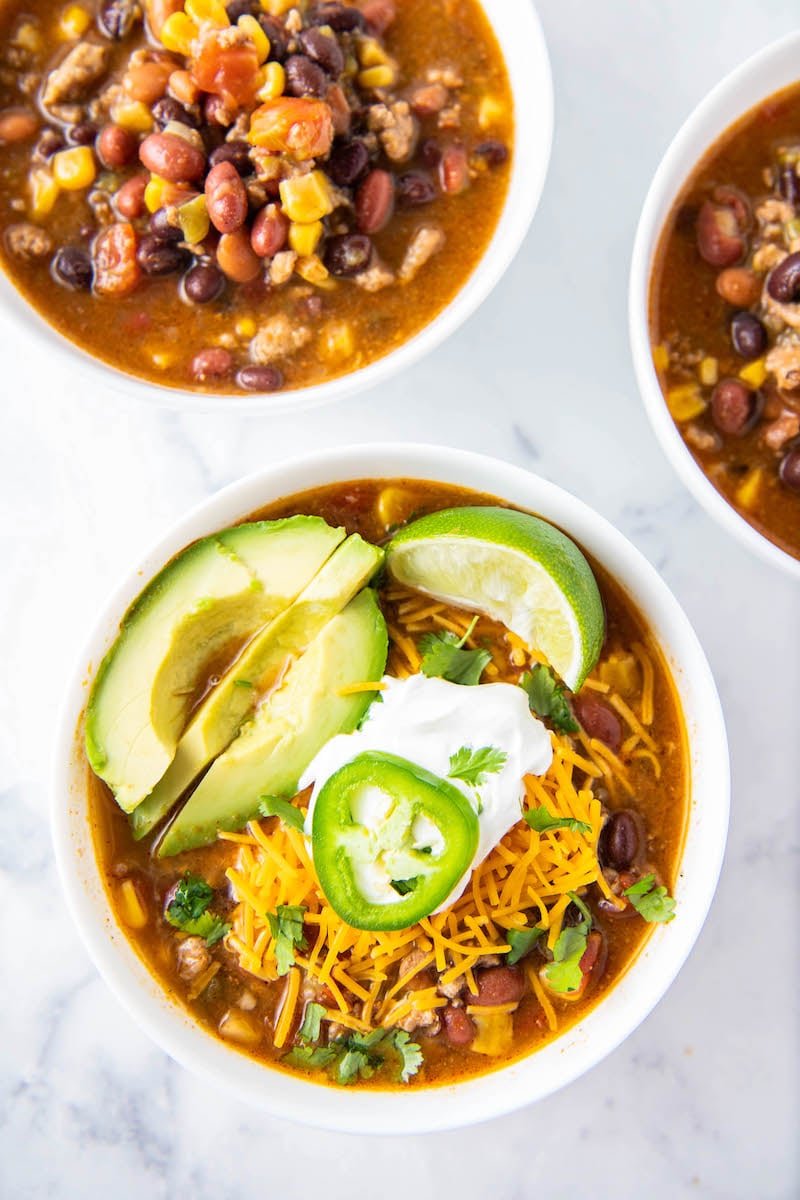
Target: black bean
430,152
235,152
734,407
348,254
784,282
160,258
347,163
162,229
414,189
73,268
259,379
619,842
341,18
166,109
788,184
324,50
748,335
203,283
116,17
495,153
49,142
278,39
242,8
82,134
789,470
305,78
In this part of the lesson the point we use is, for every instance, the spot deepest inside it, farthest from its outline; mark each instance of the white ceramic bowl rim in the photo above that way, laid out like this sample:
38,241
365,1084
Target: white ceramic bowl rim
572,1053
519,32
758,77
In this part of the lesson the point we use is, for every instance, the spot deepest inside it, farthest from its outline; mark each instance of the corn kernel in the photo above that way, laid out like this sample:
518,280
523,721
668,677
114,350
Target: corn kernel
393,502
708,371
154,193
272,82
754,373
193,220
131,909
74,21
74,169
251,27
495,1034
304,239
660,358
312,269
306,198
178,33
372,54
490,111
28,37
376,77
747,492
276,8
163,359
44,192
246,327
133,115
685,402
207,12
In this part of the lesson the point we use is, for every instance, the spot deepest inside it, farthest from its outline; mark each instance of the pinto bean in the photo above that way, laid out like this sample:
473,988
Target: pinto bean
379,14
213,363
427,99
158,11
236,257
739,286
374,201
784,281
719,239
116,146
734,199
17,125
598,720
458,1028
270,231
619,842
735,408
129,199
499,985
226,199
147,81
172,157
454,170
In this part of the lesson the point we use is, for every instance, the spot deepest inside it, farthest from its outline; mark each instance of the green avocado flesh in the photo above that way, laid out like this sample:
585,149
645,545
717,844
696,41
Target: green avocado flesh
256,672
201,608
274,749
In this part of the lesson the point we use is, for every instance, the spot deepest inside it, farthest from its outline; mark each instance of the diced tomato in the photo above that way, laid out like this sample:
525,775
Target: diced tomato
303,128
227,71
116,270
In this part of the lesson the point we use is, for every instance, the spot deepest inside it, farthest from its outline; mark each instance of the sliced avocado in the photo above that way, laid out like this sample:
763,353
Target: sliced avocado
197,612
220,716
272,751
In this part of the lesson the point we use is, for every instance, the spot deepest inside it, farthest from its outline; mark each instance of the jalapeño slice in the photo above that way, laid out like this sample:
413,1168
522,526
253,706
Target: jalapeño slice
390,841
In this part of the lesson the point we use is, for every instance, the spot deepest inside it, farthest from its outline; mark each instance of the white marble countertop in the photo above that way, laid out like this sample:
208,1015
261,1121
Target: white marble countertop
704,1099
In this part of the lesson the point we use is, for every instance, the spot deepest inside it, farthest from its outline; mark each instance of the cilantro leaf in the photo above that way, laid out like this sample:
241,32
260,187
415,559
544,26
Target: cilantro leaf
444,656
411,1056
546,698
309,1057
286,927
278,806
521,942
564,973
358,1054
312,1017
188,910
541,821
474,765
651,902
353,1063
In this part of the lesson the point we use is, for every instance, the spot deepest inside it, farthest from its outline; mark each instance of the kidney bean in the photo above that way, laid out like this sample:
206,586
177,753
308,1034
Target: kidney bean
348,254
226,199
236,257
217,112
414,189
203,283
454,170
789,470
260,379
129,199
73,267
116,268
304,78
495,153
784,280
270,231
374,201
17,125
147,81
213,363
739,286
427,99
115,18
748,335
347,163
591,955
167,109
458,1028
161,228
731,197
719,239
172,157
184,90
735,408
379,14
82,134
324,50
235,152
116,146
340,17
277,36
430,152
598,720
160,258
619,842
498,985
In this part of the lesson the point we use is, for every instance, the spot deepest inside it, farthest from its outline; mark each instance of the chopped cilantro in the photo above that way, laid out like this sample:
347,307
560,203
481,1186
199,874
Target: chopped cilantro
360,1055
444,656
309,1030
564,973
310,1057
651,902
278,806
474,765
546,698
521,942
541,821
243,683
188,910
286,926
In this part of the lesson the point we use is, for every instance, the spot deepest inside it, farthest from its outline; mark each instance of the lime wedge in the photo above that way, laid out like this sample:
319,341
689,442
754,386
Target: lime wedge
513,567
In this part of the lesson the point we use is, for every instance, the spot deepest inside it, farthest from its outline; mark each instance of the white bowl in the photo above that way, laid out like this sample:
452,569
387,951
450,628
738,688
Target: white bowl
773,68
632,997
519,33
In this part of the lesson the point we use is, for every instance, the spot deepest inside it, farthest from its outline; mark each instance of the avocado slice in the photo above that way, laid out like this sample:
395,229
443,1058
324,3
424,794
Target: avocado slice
272,751
194,616
265,660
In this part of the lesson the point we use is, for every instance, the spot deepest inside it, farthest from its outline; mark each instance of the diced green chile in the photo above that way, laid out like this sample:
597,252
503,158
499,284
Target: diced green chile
422,838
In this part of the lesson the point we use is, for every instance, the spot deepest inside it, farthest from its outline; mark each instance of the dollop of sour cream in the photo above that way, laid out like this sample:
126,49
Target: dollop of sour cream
427,721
